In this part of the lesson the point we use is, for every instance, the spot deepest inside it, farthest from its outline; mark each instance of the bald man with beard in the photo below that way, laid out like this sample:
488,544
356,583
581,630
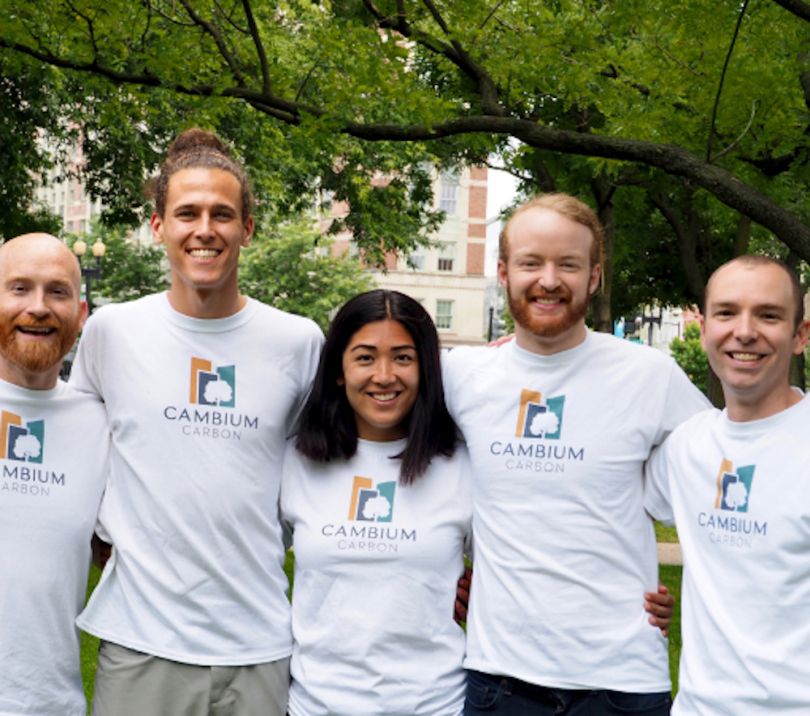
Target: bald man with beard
53,465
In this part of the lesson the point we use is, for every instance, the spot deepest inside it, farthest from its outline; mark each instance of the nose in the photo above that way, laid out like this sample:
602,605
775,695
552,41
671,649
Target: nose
204,226
38,306
548,278
745,329
385,372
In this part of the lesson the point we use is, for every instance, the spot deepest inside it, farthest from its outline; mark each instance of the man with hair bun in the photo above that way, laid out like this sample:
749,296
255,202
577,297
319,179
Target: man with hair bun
559,424
736,482
201,385
54,447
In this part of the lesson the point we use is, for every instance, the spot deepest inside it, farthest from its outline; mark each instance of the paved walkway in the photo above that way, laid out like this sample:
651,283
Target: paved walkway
669,553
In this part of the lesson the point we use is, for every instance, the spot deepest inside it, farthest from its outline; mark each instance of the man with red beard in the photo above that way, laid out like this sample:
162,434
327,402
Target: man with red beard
559,424
53,464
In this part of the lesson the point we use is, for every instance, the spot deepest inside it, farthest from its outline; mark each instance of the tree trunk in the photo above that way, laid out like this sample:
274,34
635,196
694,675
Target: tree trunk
602,313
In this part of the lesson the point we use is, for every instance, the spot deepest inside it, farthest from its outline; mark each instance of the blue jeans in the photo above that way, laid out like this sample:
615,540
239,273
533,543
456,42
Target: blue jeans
489,695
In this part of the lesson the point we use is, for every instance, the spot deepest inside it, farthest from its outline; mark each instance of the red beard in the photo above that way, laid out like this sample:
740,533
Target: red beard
37,356
546,326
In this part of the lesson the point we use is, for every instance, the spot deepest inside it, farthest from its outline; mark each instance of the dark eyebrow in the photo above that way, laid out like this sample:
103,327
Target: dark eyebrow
366,347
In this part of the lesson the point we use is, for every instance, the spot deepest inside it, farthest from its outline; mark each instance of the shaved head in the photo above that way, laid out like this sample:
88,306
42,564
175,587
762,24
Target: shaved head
14,249
41,310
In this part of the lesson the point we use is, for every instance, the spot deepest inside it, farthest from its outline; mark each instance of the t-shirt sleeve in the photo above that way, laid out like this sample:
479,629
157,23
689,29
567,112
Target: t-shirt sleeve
307,362
451,364
84,374
657,472
681,401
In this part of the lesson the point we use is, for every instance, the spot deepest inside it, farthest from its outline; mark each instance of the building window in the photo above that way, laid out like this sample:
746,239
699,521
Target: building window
444,314
447,252
416,261
448,191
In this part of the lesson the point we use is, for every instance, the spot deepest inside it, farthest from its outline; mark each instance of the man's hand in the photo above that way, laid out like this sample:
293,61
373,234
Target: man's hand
463,596
659,605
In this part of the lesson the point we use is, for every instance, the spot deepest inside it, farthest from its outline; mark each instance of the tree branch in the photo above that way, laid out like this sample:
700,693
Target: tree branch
453,51
215,34
712,124
733,144
797,7
87,21
673,160
461,58
257,41
289,112
491,14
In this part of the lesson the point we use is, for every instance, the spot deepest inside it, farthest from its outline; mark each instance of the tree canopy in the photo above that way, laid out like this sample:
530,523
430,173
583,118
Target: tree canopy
685,122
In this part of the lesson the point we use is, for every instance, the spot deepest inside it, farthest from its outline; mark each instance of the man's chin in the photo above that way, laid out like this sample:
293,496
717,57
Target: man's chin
33,359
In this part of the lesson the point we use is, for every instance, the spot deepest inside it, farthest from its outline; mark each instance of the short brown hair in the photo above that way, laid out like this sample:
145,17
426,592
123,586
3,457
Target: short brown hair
193,149
571,208
759,260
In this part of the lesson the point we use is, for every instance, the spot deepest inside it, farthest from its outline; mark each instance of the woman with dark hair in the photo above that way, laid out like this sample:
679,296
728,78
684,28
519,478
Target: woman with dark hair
375,491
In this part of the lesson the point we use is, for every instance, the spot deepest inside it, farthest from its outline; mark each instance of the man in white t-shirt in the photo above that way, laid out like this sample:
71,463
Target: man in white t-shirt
53,466
559,424
201,385
736,482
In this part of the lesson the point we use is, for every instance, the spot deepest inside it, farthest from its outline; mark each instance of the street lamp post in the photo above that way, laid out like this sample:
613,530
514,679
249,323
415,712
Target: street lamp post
90,273
649,320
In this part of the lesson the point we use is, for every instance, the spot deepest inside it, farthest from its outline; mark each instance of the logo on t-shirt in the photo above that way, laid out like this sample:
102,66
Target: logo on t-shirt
211,385
538,418
21,441
733,487
369,503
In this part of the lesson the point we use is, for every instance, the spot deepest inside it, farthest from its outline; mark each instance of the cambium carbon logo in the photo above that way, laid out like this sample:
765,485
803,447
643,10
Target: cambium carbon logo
212,386
733,488
538,418
21,441
732,495
369,503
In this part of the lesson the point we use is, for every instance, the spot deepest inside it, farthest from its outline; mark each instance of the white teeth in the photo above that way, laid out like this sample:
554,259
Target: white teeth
547,301
745,356
383,396
204,253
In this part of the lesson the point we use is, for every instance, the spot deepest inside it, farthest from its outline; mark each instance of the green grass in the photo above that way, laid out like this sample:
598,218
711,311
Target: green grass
669,575
663,533
89,643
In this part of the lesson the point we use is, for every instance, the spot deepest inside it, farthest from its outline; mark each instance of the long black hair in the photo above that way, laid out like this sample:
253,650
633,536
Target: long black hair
327,429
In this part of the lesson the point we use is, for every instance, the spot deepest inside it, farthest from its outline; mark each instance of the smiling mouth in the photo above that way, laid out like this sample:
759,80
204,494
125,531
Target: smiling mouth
746,357
204,253
36,330
384,397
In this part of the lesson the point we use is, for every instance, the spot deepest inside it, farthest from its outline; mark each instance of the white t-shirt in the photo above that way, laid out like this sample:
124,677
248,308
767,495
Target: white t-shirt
54,448
199,411
563,547
376,566
739,495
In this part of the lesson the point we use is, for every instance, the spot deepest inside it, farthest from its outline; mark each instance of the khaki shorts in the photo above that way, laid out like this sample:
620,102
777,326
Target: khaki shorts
129,683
